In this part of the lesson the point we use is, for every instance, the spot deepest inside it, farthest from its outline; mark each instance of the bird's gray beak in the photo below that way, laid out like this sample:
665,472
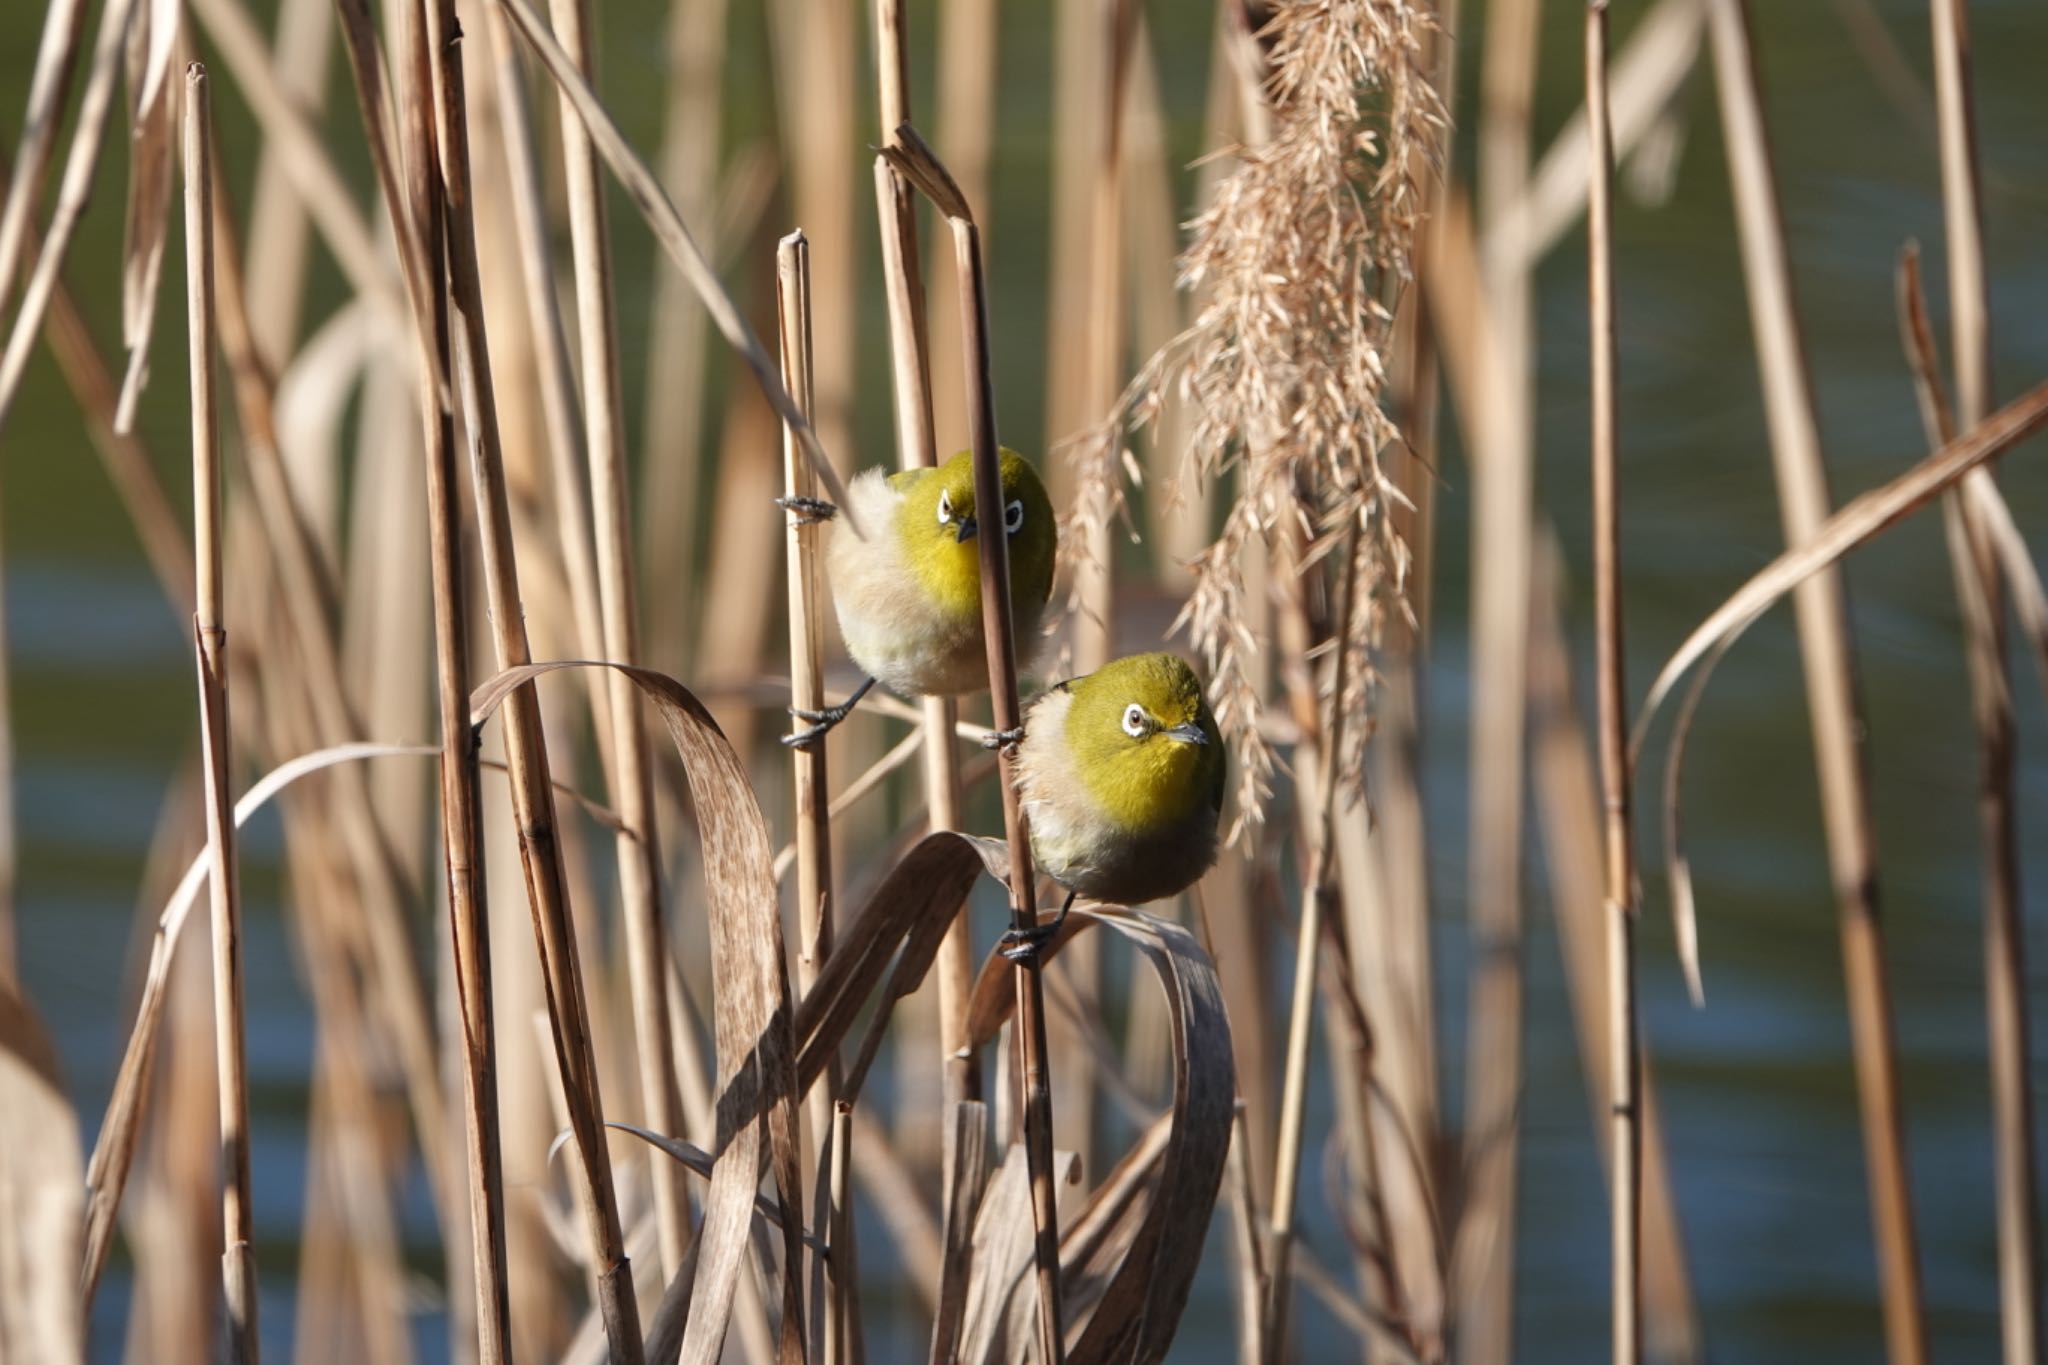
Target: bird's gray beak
965,530
1189,733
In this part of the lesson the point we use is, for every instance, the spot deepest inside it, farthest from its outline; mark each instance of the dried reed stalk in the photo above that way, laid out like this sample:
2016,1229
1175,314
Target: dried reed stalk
435,54
1831,688
278,223
416,213
1625,1151
672,483
1566,784
1326,741
238,1261
73,192
639,853
675,237
965,116
1484,1270
324,190
49,86
910,363
1969,534
909,155
810,780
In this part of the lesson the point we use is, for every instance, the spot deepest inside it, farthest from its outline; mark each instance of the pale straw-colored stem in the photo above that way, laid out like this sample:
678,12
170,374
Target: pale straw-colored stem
238,1260
909,154
1301,1012
1624,1166
639,855
1830,673
809,777
434,29
2005,990
910,366
414,205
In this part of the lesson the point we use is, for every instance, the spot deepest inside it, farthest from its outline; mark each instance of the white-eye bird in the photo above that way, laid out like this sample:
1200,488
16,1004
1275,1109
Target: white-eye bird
1121,775
908,595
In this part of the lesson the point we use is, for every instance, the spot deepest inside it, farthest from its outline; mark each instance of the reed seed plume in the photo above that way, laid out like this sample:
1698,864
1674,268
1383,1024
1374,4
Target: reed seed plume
1302,256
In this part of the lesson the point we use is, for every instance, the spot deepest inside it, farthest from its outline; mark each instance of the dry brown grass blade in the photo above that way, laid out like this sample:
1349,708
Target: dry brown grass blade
996,1327
1140,1308
152,116
72,195
114,1148
659,210
911,909
965,1164
56,63
756,1051
40,1315
1857,521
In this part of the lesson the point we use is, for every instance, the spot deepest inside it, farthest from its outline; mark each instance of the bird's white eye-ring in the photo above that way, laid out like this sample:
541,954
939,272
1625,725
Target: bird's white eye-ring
1134,721
945,507
1013,517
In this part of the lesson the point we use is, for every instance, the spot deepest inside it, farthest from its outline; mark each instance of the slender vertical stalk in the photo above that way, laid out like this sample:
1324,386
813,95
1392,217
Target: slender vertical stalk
639,854
1830,677
238,1261
810,779
417,224
1315,888
908,154
1624,1167
2005,992
911,367
1483,1273
432,35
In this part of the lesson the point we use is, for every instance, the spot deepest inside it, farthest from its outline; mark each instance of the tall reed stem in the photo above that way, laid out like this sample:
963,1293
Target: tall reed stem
911,367
811,782
909,154
238,1260
639,855
433,31
1830,676
1625,1151
1315,889
2005,992
417,224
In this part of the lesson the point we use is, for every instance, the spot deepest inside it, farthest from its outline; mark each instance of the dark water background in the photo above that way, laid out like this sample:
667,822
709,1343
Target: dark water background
1757,1091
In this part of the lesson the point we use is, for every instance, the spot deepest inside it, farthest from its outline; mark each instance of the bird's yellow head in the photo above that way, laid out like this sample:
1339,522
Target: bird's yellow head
1144,742
938,524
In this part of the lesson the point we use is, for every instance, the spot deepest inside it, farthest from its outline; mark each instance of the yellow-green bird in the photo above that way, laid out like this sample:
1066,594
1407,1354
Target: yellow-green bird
908,595
1121,774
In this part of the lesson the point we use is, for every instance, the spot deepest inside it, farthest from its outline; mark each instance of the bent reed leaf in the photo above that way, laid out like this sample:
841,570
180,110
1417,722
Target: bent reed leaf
752,1027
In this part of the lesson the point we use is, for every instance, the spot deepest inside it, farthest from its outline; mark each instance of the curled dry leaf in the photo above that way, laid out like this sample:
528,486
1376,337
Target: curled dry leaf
1150,1262
40,1204
1856,522
752,1028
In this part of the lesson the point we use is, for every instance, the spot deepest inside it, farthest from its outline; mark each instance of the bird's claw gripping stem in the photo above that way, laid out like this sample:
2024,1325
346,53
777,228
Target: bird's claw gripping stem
823,721
1022,946
809,511
1003,739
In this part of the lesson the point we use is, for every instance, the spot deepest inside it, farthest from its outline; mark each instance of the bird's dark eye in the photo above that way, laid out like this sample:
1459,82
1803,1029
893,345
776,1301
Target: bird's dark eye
945,507
1134,719
1013,517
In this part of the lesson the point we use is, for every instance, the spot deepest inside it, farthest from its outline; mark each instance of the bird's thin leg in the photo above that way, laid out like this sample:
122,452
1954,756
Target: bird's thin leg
808,510
822,721
1003,739
1024,945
